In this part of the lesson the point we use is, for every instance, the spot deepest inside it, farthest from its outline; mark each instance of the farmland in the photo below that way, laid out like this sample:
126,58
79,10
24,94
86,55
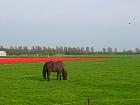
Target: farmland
111,82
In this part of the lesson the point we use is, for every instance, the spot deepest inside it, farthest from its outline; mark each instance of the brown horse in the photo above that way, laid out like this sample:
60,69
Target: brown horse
52,66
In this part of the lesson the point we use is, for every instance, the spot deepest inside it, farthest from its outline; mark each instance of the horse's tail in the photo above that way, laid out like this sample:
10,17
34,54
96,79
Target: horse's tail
44,70
64,73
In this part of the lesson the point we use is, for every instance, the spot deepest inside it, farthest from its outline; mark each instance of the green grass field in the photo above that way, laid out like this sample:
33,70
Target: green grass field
112,82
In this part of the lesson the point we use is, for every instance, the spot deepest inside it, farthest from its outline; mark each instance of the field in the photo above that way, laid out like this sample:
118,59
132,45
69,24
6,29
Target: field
112,82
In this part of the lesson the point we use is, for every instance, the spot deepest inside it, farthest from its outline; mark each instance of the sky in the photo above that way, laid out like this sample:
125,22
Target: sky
97,23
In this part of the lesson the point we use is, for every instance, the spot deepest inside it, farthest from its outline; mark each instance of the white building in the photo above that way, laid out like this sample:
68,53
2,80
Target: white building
2,53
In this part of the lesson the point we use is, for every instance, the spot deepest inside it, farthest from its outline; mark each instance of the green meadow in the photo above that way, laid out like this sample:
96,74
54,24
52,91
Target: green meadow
112,82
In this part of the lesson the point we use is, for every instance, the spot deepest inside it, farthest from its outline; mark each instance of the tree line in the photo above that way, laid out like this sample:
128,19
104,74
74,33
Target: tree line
24,50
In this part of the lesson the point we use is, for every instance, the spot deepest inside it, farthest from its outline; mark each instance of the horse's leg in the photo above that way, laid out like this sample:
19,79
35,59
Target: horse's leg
48,74
44,72
60,76
57,75
60,73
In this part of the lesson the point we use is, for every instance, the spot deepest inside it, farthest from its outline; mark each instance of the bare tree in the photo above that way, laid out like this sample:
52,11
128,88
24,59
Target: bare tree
109,50
137,50
87,50
115,50
104,50
92,50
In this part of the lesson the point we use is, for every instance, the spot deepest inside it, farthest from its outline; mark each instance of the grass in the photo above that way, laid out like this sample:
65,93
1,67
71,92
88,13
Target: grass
111,82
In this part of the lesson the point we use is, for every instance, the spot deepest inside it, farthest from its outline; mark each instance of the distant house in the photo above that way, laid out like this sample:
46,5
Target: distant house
2,53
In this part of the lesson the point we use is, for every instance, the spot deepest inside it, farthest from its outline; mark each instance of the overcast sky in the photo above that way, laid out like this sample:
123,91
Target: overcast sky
97,23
